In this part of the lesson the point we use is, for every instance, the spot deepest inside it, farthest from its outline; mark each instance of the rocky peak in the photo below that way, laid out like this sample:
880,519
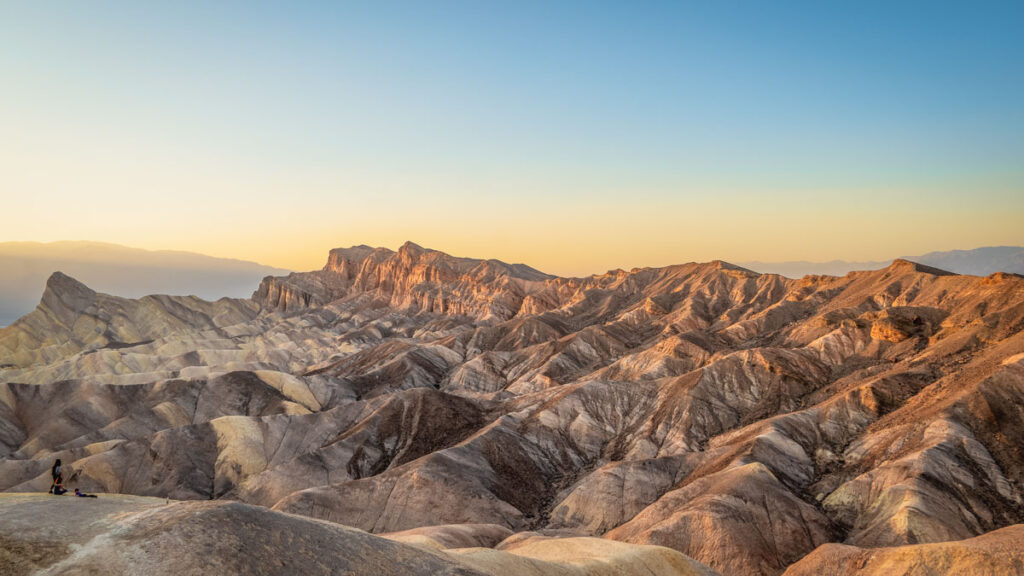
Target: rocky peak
411,250
66,297
62,284
723,265
907,266
348,261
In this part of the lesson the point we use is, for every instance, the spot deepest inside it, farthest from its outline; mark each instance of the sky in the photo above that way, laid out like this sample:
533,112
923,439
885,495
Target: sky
576,137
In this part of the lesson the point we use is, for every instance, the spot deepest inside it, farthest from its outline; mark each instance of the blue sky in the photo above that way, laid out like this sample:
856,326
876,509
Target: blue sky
575,136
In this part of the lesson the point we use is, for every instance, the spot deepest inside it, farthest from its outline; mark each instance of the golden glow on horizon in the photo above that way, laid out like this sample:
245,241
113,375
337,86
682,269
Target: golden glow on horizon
561,223
564,224
556,237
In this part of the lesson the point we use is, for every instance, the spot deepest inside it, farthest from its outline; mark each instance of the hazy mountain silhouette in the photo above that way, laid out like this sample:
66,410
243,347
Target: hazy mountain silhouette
120,270
977,262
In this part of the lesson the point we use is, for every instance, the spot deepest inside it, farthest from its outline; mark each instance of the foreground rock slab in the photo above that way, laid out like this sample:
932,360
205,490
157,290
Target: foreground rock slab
118,534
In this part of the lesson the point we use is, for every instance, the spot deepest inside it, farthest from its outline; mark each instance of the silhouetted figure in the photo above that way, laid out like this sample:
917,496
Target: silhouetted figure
58,478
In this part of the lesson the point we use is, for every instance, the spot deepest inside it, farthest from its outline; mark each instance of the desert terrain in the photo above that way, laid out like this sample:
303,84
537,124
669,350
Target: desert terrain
414,412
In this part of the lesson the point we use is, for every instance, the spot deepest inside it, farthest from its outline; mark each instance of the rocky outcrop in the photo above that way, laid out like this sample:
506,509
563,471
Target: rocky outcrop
413,278
741,520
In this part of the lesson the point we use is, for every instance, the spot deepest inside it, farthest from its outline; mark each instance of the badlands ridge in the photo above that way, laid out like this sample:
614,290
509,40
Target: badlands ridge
411,410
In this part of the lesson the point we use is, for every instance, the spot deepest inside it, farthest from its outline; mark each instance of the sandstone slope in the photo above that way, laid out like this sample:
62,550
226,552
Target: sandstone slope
994,554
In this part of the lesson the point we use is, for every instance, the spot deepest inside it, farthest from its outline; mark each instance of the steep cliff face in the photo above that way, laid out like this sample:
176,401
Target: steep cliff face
742,419
411,279
300,291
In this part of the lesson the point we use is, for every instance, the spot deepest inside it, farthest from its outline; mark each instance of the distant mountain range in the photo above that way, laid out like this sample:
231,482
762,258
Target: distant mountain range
128,272
976,262
132,272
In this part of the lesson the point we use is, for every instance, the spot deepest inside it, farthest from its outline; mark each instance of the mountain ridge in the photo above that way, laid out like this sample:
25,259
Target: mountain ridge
116,269
976,262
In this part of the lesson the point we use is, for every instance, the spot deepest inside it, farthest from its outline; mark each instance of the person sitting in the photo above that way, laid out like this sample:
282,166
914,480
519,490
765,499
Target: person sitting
81,494
58,486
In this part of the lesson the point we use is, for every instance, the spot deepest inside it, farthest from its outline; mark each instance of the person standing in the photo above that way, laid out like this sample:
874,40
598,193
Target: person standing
57,486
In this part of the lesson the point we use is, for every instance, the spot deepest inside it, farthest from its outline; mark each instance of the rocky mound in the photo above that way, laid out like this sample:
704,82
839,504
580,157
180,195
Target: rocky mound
994,554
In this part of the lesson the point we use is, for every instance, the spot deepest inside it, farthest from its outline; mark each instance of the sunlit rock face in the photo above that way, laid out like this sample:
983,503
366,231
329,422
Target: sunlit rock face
741,419
411,279
992,554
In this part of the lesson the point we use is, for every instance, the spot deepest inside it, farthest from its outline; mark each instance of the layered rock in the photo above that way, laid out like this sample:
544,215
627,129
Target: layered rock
413,278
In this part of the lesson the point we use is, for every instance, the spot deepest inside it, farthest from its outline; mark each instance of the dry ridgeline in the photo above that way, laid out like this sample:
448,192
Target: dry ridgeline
411,412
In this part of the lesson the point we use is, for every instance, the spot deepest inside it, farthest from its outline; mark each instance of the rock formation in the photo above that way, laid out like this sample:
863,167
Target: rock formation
743,420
